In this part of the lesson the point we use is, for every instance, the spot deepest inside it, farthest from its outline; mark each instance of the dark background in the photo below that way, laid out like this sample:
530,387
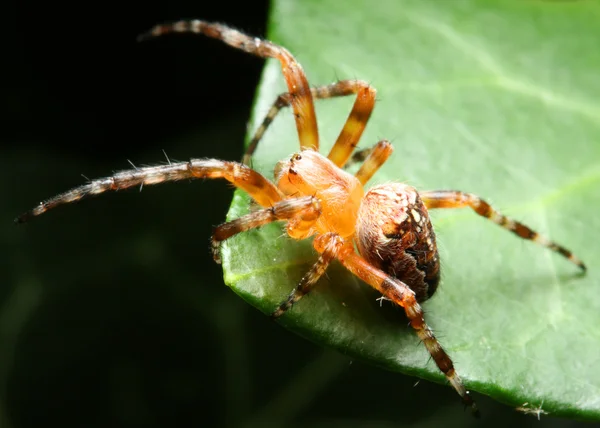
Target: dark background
112,311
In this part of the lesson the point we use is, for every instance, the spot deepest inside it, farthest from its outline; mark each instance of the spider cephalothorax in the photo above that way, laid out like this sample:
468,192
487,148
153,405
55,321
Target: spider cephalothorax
313,194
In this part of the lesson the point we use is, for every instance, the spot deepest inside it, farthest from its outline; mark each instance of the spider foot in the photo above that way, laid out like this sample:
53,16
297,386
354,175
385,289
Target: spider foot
468,402
215,247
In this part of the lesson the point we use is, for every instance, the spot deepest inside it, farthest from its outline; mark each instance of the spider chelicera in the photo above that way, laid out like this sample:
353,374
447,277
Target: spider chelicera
383,236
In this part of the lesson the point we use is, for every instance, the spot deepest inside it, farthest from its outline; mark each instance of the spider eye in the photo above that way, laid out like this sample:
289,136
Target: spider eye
297,157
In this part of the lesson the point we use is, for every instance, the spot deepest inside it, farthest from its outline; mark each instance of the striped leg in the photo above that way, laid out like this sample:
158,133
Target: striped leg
307,283
456,199
375,159
301,212
258,187
339,89
359,156
401,294
356,122
300,95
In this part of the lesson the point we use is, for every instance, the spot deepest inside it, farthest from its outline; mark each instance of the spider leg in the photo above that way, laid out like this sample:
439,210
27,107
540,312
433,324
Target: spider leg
456,199
359,156
374,160
339,89
299,91
307,283
302,213
356,122
401,294
258,187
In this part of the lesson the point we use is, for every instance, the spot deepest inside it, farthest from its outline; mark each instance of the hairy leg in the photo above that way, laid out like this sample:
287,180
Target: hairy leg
401,294
359,156
356,122
376,158
456,199
300,94
258,187
307,283
339,89
302,212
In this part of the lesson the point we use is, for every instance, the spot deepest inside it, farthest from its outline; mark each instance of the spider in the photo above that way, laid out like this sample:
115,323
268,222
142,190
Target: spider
383,236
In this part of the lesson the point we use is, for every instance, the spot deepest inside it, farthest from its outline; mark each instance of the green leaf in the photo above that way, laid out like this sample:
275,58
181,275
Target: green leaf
497,98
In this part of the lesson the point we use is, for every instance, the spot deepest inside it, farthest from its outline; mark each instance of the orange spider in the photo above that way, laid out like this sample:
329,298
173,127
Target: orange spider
389,224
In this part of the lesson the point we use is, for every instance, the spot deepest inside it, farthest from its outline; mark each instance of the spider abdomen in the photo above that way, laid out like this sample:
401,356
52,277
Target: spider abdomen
394,233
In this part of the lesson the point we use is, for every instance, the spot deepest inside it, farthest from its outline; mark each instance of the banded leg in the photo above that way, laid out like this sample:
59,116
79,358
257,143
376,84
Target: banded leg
375,159
302,212
359,156
307,283
300,95
338,89
401,294
456,199
258,187
356,122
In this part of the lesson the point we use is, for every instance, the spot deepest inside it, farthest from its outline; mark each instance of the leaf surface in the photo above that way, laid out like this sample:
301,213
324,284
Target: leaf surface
496,98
